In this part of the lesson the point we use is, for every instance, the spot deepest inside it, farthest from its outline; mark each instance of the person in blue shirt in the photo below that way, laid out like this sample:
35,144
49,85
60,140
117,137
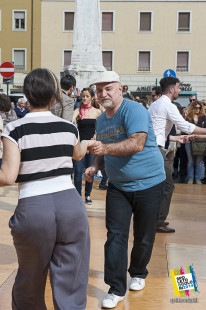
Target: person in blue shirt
126,146
20,108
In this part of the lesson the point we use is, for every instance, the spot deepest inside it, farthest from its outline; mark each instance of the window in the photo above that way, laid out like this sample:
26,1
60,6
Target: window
145,21
68,21
182,61
19,20
144,61
107,21
67,58
19,59
107,58
184,22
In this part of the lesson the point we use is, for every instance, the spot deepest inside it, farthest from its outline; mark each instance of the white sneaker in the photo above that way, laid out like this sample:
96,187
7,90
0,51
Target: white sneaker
111,300
99,174
88,200
137,284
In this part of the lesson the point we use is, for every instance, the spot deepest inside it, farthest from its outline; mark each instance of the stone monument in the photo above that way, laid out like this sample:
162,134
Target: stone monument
86,59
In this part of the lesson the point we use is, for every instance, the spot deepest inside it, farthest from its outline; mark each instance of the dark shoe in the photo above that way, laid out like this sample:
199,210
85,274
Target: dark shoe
164,229
175,175
88,200
182,180
103,187
166,223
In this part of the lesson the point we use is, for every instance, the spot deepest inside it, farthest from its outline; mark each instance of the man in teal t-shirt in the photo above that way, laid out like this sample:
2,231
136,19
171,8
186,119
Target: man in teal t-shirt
127,145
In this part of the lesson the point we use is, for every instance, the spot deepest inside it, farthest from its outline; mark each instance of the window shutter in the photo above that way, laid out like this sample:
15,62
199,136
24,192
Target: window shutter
69,21
184,22
19,60
107,60
67,58
107,21
144,61
182,61
19,15
145,21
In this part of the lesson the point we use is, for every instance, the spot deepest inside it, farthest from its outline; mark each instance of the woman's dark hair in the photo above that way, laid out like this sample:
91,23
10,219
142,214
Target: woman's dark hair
90,90
5,103
143,102
40,86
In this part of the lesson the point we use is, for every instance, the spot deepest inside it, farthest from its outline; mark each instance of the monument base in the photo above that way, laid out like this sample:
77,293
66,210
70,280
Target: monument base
85,75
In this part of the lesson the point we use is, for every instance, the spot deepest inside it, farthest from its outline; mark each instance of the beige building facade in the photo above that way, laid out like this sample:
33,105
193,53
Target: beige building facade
140,40
20,38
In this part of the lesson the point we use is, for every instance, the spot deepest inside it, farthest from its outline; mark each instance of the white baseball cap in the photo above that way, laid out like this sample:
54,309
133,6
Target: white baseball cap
106,77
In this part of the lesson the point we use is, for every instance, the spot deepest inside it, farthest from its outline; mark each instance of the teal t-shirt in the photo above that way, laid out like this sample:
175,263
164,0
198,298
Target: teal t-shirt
141,170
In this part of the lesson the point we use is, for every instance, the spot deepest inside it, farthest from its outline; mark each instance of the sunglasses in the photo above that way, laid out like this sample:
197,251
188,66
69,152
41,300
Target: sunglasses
191,100
197,108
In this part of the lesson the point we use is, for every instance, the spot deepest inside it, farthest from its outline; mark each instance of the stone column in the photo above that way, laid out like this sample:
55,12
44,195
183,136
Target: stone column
87,47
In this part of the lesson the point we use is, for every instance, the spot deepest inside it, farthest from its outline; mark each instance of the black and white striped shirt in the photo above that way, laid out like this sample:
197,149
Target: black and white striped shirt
46,145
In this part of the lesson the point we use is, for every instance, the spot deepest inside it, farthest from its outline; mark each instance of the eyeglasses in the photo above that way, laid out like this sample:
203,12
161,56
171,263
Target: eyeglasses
154,96
197,108
191,100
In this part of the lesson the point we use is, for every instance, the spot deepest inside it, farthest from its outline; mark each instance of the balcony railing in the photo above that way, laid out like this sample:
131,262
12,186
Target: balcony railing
19,67
184,29
182,68
143,68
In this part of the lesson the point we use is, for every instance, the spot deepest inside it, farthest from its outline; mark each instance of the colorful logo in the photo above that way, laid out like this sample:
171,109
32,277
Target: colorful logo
184,283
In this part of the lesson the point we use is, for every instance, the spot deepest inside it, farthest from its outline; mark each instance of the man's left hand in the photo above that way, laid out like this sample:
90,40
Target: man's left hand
98,149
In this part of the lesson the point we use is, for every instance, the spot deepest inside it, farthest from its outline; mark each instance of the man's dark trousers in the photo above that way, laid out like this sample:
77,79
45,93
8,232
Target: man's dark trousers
120,205
169,189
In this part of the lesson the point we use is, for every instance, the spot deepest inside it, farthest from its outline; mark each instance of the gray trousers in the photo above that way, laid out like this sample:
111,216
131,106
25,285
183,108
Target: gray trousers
51,232
169,189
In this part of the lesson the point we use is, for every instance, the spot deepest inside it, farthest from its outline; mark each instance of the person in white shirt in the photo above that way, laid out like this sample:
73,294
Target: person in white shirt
164,114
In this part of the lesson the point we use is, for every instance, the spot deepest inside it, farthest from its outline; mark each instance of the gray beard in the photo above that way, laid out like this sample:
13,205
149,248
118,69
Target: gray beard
106,104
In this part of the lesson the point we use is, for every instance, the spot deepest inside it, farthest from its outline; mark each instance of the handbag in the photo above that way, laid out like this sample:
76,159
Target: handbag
198,147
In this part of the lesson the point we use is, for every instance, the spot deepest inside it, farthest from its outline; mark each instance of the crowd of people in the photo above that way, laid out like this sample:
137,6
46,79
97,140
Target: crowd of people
48,137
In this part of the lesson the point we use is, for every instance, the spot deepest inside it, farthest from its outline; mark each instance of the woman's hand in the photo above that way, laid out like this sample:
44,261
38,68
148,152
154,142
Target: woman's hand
98,148
182,139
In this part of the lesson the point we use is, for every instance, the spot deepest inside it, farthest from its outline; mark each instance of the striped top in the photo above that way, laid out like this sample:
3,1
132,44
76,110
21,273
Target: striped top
46,145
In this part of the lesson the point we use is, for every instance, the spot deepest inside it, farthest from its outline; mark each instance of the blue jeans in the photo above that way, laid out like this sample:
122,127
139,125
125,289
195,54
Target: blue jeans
194,161
85,162
120,205
104,178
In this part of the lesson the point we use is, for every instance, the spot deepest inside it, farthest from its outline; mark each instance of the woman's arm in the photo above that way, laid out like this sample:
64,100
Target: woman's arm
192,137
75,114
81,148
10,163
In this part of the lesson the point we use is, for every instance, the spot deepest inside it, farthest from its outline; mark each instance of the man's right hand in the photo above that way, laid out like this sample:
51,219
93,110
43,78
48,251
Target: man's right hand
89,172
